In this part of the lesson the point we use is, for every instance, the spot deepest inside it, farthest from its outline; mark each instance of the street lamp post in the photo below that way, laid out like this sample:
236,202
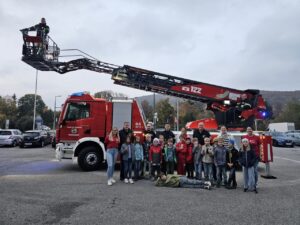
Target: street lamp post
54,114
34,105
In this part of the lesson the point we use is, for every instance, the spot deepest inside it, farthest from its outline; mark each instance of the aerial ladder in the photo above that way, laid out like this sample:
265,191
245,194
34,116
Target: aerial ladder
231,107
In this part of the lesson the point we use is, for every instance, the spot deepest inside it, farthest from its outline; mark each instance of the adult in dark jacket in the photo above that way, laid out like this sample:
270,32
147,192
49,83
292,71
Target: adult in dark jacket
150,131
201,133
124,133
167,133
42,29
232,157
247,159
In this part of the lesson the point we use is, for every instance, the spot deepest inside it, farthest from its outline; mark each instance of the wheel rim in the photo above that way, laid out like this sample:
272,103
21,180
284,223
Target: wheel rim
43,144
91,159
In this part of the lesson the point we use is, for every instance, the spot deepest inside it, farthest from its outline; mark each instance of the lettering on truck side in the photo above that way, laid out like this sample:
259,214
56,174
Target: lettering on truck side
192,89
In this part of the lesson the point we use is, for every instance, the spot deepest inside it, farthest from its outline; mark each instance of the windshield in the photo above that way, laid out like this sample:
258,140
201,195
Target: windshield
78,110
34,134
5,132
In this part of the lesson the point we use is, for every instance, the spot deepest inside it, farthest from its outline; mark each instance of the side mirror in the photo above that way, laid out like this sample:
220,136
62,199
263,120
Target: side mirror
63,122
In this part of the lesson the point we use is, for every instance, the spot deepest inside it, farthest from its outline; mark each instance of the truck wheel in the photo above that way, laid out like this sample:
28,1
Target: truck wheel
89,159
14,144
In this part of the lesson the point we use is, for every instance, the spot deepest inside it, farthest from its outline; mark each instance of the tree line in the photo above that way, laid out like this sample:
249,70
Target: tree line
20,112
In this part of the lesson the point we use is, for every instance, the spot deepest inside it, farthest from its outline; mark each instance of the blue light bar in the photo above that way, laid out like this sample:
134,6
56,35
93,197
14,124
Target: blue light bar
78,94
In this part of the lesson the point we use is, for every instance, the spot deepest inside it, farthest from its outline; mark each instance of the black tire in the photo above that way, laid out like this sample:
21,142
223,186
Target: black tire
21,145
42,144
14,144
275,143
89,159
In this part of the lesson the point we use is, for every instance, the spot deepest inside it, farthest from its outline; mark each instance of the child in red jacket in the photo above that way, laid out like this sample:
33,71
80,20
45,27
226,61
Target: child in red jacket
155,158
181,149
189,166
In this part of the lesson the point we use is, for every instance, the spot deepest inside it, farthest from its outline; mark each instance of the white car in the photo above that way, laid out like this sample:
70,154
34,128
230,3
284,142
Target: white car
10,137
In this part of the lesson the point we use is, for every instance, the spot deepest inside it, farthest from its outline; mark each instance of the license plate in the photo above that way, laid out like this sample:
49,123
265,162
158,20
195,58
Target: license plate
28,143
288,143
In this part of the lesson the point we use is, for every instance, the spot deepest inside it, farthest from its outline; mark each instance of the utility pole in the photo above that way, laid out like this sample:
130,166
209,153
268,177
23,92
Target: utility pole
177,114
34,105
154,113
54,111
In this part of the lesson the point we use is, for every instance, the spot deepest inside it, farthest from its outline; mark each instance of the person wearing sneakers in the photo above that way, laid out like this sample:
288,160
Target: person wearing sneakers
170,156
255,144
220,162
147,165
207,159
181,181
128,154
138,157
247,159
181,150
189,166
112,144
232,156
155,157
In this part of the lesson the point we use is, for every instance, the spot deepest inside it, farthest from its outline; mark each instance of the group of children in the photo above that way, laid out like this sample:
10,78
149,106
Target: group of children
159,156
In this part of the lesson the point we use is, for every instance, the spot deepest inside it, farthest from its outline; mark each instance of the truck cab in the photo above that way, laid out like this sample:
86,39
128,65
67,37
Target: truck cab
85,121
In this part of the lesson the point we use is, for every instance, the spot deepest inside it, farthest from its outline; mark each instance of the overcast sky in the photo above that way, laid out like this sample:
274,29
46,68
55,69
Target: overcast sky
239,44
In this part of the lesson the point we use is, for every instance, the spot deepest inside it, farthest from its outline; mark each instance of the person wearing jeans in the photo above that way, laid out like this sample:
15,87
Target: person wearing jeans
112,143
232,162
247,159
147,165
255,144
128,155
197,159
139,157
207,159
220,162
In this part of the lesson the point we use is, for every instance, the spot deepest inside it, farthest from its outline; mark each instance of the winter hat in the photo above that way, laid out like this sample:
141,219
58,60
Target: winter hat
215,139
155,140
231,141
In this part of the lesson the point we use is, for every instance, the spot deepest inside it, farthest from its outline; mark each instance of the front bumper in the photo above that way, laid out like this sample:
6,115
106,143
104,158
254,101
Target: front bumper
31,143
6,142
64,151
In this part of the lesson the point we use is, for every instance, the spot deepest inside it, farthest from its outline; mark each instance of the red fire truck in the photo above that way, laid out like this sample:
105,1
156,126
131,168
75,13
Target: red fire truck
86,120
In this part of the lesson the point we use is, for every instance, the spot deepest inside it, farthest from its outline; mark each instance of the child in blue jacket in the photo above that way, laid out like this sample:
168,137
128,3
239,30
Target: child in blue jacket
170,156
139,157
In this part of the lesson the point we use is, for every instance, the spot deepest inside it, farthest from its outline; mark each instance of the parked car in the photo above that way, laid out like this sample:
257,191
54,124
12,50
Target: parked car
10,137
34,138
281,139
295,137
53,138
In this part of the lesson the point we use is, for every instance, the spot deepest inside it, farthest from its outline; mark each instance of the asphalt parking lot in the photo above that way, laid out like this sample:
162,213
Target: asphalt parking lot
37,189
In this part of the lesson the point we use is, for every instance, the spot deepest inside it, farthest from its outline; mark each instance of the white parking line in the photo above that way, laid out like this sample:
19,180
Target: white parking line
292,160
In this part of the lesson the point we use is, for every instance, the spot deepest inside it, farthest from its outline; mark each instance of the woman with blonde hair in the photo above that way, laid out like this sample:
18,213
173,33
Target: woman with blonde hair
112,142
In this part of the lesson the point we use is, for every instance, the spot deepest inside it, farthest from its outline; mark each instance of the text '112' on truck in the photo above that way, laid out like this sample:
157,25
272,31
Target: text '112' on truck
85,121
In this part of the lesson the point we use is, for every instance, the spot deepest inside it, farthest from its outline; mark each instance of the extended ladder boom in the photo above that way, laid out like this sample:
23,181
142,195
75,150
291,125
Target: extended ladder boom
232,107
